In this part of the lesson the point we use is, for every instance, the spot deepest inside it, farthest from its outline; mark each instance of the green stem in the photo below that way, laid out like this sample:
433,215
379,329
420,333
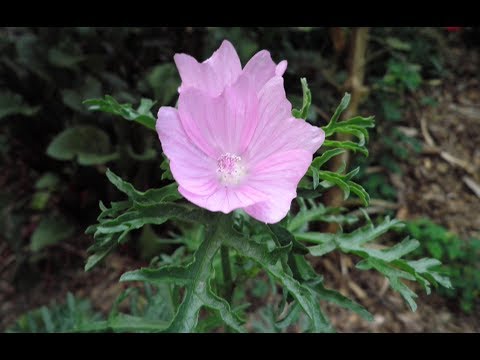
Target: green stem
227,273
187,316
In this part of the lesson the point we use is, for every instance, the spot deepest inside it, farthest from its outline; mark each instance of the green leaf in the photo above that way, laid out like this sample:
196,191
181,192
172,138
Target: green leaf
108,104
349,145
175,274
88,144
47,181
318,213
352,242
335,179
61,59
153,206
99,255
394,276
286,238
149,197
360,192
327,155
315,177
340,109
388,261
307,101
13,104
40,200
196,279
304,295
50,231
338,299
397,44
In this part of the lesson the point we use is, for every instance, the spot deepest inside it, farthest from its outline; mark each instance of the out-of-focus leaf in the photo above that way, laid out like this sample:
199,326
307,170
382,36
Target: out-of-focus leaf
50,231
87,144
13,104
164,81
60,58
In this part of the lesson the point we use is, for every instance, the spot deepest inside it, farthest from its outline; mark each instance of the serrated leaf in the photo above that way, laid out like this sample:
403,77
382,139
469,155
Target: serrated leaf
338,299
108,104
302,294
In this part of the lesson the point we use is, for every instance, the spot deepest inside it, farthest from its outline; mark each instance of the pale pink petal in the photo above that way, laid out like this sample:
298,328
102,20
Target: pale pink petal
224,198
277,176
190,166
197,76
214,74
226,63
260,69
222,124
277,130
281,67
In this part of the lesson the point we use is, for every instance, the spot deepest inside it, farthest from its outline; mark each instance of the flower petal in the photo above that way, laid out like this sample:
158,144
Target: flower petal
214,74
224,124
277,176
226,63
225,199
277,130
190,167
260,69
281,67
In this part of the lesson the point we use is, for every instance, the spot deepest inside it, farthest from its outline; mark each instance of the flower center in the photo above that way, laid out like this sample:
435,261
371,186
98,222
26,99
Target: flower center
230,169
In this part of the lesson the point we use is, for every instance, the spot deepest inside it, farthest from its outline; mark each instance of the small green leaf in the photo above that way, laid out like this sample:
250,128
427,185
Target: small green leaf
349,145
327,155
315,177
360,192
307,101
47,181
340,109
335,179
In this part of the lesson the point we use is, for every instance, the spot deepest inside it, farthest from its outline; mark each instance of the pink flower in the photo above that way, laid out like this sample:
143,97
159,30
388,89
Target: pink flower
223,68
233,143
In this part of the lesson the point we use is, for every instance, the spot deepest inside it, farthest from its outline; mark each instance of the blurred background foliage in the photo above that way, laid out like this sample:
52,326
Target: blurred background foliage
54,151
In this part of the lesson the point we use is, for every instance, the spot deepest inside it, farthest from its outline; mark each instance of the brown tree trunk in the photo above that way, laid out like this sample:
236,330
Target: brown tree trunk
354,85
